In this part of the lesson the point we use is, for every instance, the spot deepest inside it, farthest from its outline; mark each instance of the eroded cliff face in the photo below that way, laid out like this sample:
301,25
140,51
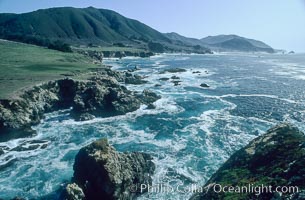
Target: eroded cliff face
276,158
100,97
100,172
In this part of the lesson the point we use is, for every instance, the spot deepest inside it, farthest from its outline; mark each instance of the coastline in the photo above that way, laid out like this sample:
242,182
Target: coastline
108,96
118,76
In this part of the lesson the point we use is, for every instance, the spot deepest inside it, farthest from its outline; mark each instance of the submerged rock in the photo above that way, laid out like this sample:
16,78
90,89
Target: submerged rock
276,158
103,173
175,77
173,70
149,106
163,79
176,83
18,198
204,85
31,145
1,151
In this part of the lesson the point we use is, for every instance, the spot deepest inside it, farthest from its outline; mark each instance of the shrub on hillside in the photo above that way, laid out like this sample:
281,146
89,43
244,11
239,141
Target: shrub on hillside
60,46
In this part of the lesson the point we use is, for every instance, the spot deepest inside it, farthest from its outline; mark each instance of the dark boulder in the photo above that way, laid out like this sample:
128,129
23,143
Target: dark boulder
173,70
204,85
148,97
163,79
100,172
175,77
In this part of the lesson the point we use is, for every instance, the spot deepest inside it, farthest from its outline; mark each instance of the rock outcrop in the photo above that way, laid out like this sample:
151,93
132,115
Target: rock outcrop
73,192
274,159
101,97
100,172
173,70
99,55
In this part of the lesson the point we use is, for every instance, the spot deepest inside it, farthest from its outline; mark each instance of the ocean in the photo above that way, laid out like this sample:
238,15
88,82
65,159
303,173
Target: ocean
192,131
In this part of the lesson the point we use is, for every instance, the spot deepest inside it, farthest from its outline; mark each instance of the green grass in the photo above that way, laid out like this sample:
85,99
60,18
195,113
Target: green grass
23,65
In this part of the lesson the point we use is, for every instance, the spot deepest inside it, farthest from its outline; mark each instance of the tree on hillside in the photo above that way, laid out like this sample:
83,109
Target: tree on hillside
60,46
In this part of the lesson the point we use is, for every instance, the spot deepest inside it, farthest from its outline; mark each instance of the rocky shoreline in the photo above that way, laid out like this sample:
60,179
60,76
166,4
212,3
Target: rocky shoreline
100,96
99,55
276,158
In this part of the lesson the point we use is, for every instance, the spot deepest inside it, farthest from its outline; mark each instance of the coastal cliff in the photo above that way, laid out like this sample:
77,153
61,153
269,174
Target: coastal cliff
274,159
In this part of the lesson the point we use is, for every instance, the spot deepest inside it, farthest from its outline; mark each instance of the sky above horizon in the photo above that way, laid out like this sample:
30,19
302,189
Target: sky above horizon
279,23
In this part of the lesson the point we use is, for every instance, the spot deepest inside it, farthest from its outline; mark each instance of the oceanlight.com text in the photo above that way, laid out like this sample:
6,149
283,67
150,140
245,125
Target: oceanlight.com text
215,188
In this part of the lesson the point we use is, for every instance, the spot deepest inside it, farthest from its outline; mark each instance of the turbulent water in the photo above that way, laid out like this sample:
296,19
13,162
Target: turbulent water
192,131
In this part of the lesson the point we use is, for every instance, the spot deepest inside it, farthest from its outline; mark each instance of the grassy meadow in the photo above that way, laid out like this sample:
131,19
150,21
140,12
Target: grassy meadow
23,65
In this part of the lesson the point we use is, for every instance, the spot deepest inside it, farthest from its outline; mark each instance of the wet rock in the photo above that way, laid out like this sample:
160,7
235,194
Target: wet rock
85,117
7,161
1,151
176,83
204,85
31,145
157,85
28,148
74,192
163,79
196,72
103,173
134,79
276,158
147,97
136,68
173,70
175,77
151,106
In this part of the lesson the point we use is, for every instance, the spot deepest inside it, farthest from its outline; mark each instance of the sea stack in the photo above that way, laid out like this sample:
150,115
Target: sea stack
100,172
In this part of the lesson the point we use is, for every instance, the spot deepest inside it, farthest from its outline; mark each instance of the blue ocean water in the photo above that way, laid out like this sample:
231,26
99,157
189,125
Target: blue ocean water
192,131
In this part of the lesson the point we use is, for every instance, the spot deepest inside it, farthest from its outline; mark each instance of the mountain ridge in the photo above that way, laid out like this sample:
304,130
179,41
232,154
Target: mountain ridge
235,42
87,26
224,43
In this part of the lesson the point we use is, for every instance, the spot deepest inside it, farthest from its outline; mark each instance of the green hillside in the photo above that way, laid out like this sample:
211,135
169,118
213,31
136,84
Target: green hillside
100,27
24,65
77,26
235,43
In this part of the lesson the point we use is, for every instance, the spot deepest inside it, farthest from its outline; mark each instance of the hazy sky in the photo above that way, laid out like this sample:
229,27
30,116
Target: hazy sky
279,23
